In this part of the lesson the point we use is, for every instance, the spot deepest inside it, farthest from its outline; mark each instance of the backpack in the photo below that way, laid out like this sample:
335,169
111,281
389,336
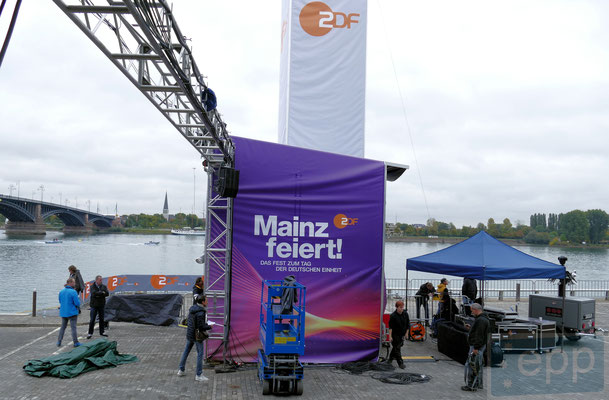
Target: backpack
496,355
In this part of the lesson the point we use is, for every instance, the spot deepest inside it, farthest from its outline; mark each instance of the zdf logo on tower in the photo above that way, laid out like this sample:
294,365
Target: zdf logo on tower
317,19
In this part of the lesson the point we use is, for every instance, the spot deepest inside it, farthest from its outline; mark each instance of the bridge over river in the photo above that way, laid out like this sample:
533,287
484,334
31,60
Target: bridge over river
26,216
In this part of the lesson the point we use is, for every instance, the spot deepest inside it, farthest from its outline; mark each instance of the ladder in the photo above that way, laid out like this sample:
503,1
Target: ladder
143,40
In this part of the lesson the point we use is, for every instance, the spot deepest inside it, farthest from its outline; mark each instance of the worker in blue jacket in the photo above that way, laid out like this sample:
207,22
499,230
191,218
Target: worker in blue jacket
69,308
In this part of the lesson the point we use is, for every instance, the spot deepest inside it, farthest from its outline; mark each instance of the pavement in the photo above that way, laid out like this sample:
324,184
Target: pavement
524,375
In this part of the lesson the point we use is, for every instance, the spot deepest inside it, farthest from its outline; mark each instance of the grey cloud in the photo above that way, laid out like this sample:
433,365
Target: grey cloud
505,122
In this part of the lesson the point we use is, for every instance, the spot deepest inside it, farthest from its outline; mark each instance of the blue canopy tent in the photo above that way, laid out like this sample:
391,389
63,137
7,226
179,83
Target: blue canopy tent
485,258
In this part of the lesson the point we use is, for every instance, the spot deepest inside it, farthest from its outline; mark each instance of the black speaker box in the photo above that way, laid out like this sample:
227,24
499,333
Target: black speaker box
227,184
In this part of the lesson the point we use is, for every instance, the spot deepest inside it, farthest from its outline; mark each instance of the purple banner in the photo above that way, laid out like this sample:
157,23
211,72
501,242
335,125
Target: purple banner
317,216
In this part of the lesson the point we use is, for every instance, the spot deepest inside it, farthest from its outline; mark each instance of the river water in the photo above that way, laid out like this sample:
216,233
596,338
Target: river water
28,263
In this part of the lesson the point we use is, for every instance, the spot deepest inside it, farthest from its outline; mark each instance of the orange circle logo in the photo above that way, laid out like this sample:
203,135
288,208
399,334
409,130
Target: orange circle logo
158,281
316,18
340,221
112,283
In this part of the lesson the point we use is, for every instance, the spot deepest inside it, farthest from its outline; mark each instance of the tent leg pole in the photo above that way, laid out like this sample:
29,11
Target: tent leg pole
564,292
406,293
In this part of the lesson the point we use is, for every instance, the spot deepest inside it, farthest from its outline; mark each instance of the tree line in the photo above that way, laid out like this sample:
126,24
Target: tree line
572,227
157,221
147,221
576,226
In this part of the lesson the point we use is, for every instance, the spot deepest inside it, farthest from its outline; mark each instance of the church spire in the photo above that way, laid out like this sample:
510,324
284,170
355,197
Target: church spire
166,208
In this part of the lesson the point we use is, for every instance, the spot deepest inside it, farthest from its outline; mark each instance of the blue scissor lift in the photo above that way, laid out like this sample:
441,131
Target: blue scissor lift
282,334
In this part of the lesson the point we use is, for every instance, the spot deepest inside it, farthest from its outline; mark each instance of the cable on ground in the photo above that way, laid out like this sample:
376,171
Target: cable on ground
359,367
401,378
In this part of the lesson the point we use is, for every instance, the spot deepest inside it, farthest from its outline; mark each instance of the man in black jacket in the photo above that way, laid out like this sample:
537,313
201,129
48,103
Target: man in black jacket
422,299
477,339
197,316
399,323
99,292
469,290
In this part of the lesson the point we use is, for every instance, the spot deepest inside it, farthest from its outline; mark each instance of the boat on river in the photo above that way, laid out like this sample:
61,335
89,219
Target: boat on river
189,231
54,241
151,243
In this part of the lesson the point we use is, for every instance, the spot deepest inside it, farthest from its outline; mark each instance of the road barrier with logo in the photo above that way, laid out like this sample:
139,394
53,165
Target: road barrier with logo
145,283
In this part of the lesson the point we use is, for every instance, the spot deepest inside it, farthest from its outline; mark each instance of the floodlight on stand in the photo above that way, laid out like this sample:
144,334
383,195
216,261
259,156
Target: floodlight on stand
200,260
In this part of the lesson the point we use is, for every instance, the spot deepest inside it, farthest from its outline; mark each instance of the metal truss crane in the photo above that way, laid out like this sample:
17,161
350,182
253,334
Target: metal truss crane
143,40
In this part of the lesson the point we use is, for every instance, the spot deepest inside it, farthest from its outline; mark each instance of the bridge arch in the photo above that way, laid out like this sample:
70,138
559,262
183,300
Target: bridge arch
68,217
101,222
15,212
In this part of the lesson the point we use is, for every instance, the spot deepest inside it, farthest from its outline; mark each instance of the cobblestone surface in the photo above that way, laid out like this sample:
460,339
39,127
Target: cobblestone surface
159,350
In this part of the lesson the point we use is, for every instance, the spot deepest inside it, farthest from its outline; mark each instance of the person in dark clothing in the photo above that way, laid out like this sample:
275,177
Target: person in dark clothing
422,299
469,289
399,323
197,319
99,292
79,284
289,297
197,290
477,340
449,307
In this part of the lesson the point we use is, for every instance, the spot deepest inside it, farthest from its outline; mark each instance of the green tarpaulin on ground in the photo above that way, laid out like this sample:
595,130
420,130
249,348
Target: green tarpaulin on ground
89,356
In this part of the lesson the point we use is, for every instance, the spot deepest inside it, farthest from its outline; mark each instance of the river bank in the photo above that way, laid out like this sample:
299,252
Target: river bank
391,239
135,231
509,242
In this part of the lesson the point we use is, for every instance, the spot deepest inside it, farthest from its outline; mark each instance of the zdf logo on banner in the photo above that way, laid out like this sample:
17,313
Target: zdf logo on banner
317,19
341,221
160,281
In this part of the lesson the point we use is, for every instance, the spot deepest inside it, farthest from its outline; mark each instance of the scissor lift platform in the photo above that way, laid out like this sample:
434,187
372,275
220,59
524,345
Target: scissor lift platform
282,337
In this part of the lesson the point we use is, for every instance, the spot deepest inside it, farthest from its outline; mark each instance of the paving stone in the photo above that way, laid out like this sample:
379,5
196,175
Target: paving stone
159,350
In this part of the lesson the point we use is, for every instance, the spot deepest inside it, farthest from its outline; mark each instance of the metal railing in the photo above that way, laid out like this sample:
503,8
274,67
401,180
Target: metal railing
504,289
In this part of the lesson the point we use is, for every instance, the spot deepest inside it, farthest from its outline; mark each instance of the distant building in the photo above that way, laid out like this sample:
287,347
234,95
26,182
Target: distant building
419,226
166,208
390,229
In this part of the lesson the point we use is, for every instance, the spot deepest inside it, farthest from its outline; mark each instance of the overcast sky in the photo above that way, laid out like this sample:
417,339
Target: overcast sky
507,102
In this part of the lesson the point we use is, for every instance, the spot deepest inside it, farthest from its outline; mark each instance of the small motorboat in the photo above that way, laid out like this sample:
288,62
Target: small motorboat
54,241
151,243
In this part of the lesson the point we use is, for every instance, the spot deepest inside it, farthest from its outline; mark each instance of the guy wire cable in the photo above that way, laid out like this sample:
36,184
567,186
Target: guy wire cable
404,109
